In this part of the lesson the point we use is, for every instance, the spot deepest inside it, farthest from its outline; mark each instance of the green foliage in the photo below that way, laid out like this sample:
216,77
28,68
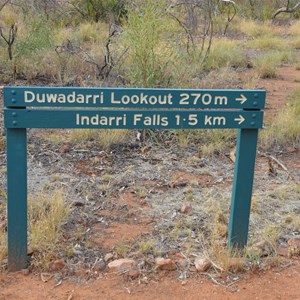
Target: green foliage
257,9
225,53
38,36
148,36
100,10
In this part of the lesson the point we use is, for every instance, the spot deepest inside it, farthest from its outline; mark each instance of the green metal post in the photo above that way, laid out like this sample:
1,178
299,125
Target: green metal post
242,187
17,198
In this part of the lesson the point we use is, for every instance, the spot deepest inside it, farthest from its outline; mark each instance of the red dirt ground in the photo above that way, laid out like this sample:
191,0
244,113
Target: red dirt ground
273,284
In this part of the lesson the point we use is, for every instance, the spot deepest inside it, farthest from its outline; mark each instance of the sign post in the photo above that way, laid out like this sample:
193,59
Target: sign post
16,198
111,108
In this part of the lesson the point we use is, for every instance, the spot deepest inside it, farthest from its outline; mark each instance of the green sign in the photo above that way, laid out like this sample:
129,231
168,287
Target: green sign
55,107
133,98
140,119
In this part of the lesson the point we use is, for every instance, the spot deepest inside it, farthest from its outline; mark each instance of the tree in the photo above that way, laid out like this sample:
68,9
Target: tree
10,38
287,9
3,4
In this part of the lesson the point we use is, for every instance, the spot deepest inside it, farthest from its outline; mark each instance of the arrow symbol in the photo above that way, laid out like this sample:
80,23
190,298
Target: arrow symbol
241,119
242,99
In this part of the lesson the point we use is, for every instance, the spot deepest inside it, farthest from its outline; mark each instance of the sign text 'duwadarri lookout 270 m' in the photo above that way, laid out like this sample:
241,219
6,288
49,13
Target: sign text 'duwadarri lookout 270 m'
118,108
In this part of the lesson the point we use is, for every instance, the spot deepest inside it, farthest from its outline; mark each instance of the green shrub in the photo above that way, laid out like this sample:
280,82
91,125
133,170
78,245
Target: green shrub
100,10
225,53
150,48
37,36
267,64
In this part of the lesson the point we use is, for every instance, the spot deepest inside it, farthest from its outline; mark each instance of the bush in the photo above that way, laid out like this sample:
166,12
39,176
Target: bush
267,64
100,10
225,53
148,36
37,36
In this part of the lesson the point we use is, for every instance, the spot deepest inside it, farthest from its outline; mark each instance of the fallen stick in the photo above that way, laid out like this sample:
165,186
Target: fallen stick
279,163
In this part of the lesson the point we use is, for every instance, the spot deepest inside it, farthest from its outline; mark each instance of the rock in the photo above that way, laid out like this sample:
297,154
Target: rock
108,257
186,207
294,246
25,272
58,265
133,273
237,263
30,251
261,248
64,149
78,203
71,272
182,263
291,149
122,264
3,225
202,264
100,266
179,183
165,264
282,250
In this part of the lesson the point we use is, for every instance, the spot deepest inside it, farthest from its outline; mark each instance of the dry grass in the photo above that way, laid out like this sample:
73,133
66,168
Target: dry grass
285,130
254,29
46,214
295,42
295,28
267,64
3,235
224,53
105,137
3,245
91,33
268,43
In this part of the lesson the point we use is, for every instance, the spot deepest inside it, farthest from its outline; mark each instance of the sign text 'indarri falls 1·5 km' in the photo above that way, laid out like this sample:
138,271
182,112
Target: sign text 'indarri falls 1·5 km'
118,108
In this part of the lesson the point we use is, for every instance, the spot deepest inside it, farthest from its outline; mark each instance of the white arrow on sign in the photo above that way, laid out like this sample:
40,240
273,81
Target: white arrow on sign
241,119
242,99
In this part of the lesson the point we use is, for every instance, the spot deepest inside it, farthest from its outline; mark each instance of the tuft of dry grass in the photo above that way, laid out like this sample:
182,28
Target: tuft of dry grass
3,235
295,28
105,137
225,53
268,43
3,244
46,214
285,130
295,42
254,29
267,64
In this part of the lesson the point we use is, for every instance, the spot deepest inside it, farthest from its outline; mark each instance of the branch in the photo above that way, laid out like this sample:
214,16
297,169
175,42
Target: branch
286,9
189,35
3,5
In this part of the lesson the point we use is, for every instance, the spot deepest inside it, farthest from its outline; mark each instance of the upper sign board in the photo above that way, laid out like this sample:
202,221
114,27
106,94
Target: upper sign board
133,98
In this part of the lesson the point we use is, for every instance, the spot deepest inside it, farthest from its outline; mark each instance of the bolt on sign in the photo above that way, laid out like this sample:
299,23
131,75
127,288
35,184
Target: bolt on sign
119,108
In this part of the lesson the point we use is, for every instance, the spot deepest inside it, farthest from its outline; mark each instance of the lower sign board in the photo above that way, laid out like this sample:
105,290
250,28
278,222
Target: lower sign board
132,119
